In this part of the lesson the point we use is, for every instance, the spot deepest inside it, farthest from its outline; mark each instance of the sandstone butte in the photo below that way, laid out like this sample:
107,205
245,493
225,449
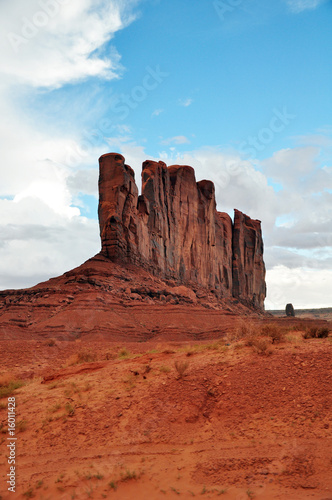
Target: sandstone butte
174,230
170,266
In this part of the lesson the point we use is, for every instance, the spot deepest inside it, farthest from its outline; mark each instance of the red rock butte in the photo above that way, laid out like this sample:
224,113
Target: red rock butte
174,231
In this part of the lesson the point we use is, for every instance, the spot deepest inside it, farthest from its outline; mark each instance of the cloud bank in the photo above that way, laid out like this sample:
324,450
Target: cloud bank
45,45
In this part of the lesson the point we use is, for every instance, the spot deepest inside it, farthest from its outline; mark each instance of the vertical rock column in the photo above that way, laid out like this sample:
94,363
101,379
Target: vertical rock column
248,265
224,249
160,223
117,209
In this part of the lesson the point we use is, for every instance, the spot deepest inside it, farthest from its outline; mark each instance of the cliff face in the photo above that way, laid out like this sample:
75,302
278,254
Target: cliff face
248,264
174,230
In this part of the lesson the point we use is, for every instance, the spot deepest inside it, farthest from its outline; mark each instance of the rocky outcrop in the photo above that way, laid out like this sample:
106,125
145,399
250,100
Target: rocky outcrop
248,264
174,230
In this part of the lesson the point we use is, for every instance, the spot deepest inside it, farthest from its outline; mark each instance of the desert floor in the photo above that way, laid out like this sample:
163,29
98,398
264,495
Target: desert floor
226,418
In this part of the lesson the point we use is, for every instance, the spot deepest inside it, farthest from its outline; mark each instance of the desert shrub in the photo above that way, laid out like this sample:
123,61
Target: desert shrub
123,353
29,493
275,333
128,475
110,355
246,329
69,409
86,357
299,327
306,335
82,357
8,385
181,367
250,340
164,369
113,485
51,342
323,333
312,332
243,330
316,333
261,346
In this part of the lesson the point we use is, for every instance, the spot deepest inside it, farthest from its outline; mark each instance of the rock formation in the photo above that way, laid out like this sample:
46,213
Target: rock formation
290,312
173,230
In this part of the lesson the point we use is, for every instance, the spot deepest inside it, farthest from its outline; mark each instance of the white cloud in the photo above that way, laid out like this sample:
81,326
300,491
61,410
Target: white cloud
47,48
178,139
37,243
157,112
42,233
302,287
293,167
297,6
185,102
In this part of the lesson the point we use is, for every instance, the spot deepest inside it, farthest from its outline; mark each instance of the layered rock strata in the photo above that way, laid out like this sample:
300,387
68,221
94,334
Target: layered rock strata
174,230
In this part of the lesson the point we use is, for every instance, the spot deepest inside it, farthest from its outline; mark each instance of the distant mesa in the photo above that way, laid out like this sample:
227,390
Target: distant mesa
174,231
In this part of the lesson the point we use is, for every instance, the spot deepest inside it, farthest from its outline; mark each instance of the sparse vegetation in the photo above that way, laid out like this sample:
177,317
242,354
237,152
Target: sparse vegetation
8,385
51,342
82,357
175,490
110,355
261,346
29,493
164,369
243,330
298,327
54,385
123,353
128,475
130,382
275,333
181,367
113,485
69,409
89,476
316,333
55,408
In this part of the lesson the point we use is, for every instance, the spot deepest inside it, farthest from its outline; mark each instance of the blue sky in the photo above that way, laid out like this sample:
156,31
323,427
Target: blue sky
238,89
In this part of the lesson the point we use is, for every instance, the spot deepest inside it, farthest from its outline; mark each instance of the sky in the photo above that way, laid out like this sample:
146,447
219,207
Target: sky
238,89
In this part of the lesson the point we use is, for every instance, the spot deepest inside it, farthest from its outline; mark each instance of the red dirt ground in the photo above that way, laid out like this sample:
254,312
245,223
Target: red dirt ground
236,425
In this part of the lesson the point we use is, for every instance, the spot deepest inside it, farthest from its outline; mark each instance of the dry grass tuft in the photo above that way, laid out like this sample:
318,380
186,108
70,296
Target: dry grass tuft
261,346
8,384
243,330
275,333
82,357
181,367
316,333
